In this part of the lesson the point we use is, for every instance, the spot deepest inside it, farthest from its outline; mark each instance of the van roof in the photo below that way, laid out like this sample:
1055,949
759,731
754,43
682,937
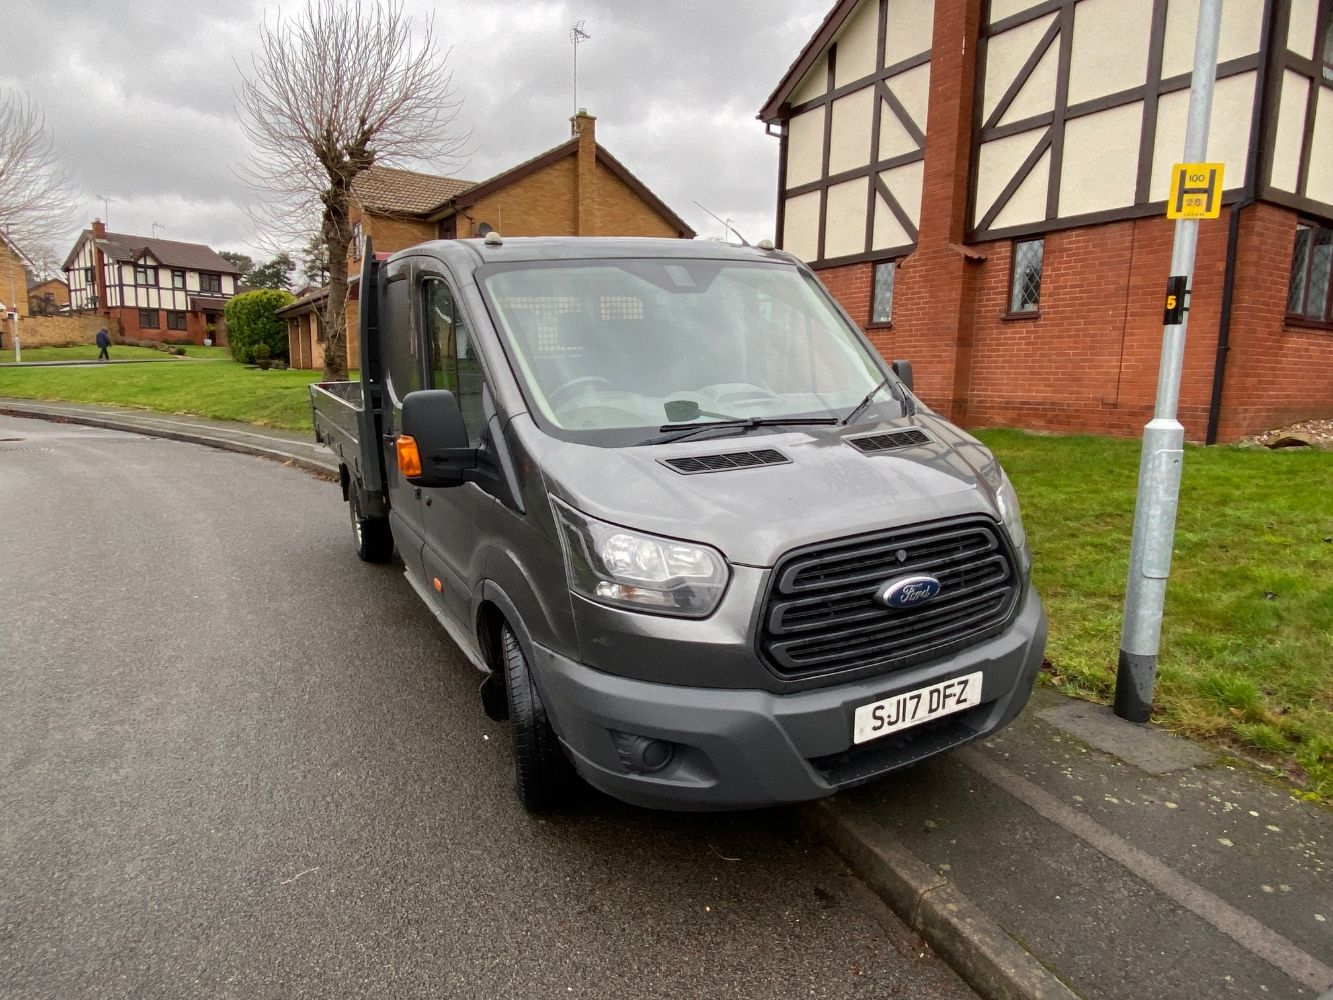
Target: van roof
532,248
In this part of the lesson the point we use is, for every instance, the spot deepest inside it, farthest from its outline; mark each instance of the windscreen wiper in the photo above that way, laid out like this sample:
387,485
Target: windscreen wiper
668,431
860,407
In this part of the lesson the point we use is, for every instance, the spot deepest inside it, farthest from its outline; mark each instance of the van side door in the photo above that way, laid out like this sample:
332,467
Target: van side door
455,520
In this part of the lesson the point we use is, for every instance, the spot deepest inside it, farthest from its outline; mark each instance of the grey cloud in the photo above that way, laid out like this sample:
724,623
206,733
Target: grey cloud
141,97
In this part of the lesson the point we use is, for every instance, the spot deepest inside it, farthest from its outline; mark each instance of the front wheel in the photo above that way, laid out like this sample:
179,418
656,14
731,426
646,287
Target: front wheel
370,535
543,776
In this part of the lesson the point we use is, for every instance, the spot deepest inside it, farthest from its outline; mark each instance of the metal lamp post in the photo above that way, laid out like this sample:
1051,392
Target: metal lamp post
1164,437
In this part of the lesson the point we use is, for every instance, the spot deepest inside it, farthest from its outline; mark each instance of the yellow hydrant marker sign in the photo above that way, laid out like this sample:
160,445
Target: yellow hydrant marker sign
1196,191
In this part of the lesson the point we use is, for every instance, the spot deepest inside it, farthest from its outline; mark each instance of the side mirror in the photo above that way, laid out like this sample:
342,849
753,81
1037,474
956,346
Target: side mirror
903,369
436,451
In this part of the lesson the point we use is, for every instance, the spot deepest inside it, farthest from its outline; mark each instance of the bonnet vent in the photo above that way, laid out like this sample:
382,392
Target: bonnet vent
872,443
693,464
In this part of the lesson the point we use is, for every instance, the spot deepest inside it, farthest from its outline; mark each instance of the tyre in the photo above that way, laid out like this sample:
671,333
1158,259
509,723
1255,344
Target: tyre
370,535
543,776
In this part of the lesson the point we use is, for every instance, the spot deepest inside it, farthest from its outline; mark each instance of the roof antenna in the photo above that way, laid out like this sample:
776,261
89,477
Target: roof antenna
726,224
156,227
106,208
576,35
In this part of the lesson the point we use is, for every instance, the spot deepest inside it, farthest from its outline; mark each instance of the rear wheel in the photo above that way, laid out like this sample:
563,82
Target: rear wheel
543,776
370,535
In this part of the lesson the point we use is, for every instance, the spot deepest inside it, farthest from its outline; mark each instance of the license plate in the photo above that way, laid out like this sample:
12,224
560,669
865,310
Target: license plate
912,708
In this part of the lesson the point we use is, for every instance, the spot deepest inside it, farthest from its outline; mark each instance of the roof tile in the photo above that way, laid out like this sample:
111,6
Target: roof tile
170,253
389,189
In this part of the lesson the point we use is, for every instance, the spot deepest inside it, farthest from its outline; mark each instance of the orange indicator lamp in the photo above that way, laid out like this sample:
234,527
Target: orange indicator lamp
409,458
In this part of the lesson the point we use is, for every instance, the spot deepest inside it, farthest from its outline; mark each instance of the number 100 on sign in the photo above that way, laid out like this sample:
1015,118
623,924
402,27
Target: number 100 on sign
1196,191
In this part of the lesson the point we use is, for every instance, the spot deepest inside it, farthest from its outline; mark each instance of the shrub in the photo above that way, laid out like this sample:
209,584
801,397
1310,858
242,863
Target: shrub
251,322
178,351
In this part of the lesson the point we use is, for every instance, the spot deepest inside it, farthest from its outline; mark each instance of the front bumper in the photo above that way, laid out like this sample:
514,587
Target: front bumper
749,748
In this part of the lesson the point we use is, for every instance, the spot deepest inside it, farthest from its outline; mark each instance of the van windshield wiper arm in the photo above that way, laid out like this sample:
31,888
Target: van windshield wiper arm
739,424
860,407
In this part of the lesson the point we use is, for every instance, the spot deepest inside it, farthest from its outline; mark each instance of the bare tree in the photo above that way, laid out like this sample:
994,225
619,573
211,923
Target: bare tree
333,91
35,199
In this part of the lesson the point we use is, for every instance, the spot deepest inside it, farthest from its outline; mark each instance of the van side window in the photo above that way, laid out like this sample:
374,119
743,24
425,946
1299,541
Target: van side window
454,364
399,346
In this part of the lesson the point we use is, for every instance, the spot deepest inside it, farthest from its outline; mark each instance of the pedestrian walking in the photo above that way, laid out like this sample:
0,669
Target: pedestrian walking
103,342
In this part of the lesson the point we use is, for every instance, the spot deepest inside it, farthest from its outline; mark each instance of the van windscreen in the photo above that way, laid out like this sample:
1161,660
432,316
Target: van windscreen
632,344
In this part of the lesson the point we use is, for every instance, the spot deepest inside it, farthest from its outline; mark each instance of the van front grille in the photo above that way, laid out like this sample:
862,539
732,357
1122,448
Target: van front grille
822,618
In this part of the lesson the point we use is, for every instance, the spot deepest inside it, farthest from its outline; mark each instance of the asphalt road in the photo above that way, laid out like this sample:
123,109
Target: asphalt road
237,762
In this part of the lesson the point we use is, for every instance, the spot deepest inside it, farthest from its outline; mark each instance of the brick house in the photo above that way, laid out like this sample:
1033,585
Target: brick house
982,183
48,298
574,189
157,289
15,273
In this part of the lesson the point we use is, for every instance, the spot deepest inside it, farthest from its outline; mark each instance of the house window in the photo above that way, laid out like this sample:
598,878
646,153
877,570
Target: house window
881,300
175,320
90,275
1308,293
177,279
1025,278
356,241
1328,54
211,283
148,319
145,275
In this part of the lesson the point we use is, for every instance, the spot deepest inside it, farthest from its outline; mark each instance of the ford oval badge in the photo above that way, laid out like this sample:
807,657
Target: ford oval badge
908,592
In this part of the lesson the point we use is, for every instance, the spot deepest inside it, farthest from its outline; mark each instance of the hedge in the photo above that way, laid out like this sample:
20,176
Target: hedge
251,320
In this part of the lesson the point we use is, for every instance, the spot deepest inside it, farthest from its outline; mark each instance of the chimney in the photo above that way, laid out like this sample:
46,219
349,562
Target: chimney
582,122
99,264
583,127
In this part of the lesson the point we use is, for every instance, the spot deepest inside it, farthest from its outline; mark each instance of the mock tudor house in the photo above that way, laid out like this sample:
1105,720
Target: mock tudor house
158,289
574,189
982,184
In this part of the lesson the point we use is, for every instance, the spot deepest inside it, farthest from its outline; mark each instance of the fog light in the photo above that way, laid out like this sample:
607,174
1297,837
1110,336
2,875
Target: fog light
643,753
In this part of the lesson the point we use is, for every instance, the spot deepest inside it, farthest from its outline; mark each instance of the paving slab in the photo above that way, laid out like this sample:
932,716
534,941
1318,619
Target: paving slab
1147,749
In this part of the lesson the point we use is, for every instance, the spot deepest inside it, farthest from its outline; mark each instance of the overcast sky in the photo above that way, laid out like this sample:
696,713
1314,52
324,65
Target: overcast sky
141,98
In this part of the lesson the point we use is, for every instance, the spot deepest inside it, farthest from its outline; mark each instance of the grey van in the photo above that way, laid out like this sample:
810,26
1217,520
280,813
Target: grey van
707,550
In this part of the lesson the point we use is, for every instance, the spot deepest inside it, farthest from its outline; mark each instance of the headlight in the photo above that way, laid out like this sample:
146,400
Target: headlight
629,569
1006,501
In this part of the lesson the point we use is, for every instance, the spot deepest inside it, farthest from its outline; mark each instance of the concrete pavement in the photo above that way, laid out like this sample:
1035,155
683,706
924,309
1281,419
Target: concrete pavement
240,763
1128,863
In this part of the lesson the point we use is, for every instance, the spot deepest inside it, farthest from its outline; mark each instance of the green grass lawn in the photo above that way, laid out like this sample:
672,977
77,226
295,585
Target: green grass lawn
224,391
88,352
1247,641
